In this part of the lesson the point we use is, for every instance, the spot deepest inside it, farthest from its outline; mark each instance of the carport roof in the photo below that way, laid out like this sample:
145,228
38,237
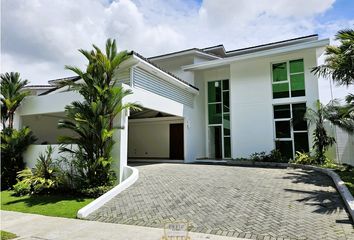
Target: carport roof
55,82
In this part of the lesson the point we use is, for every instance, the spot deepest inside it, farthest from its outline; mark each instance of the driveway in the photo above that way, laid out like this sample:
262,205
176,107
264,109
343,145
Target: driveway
251,203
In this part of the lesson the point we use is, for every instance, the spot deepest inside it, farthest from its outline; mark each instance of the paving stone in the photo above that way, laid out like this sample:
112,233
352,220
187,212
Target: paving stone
251,203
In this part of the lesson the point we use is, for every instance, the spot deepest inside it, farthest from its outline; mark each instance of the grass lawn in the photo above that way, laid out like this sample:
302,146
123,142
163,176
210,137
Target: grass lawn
7,235
56,205
348,178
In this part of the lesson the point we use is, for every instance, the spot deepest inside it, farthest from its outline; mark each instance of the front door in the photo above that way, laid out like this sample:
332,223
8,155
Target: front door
176,141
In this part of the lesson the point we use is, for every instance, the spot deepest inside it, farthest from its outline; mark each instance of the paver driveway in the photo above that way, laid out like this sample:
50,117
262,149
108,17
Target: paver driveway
254,203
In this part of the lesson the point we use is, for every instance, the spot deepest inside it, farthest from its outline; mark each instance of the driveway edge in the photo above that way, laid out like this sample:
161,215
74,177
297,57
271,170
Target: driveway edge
340,185
131,173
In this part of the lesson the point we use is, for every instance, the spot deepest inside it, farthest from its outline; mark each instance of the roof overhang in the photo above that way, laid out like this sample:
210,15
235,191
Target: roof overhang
192,51
265,53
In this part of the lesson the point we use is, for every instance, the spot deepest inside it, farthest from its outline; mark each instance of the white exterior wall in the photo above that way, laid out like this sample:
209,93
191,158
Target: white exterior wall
251,101
45,128
34,151
196,124
343,149
173,65
150,138
52,103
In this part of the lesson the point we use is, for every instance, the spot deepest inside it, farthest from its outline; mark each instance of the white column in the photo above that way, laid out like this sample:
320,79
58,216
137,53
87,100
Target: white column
120,148
17,121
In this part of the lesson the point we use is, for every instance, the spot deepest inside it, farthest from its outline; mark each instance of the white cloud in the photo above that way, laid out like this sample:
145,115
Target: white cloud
39,37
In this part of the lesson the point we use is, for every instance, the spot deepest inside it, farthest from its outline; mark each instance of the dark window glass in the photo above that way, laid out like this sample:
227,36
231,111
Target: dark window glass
296,66
279,72
282,111
214,91
299,110
227,147
226,124
282,129
285,148
301,142
225,85
215,137
215,113
281,90
297,82
226,102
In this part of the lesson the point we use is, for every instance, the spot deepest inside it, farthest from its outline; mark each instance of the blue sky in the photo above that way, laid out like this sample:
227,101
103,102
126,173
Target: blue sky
341,9
39,37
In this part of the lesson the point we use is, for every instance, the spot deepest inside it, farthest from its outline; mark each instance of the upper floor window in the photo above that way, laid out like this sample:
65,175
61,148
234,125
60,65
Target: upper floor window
288,79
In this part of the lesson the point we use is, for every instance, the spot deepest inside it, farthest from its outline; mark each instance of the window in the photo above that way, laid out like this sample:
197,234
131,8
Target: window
291,133
219,119
288,79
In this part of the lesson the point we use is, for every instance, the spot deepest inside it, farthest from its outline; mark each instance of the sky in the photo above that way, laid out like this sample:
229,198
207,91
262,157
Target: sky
40,37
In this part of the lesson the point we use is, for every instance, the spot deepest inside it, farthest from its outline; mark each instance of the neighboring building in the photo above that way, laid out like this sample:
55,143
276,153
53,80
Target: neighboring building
203,103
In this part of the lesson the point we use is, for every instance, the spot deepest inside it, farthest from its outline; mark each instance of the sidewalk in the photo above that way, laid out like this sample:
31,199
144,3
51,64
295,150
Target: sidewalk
32,226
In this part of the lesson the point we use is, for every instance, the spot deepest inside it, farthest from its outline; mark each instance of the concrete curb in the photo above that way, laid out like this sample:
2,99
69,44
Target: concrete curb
131,173
340,185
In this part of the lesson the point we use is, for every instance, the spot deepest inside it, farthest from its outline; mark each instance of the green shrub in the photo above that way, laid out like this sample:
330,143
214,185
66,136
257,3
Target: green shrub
44,178
329,163
304,158
258,156
95,191
13,144
22,188
273,156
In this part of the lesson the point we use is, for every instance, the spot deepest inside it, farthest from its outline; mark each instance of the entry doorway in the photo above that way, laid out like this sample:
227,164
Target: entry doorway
176,141
215,142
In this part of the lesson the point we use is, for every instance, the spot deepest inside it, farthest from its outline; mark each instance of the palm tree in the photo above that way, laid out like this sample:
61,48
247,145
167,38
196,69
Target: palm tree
12,94
342,115
92,119
321,139
339,65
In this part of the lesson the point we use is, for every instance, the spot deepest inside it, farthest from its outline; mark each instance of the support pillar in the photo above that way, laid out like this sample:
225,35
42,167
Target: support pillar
120,148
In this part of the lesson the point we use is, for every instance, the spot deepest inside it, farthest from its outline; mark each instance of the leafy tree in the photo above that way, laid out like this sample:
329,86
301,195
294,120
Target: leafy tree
321,139
92,119
13,144
12,94
339,65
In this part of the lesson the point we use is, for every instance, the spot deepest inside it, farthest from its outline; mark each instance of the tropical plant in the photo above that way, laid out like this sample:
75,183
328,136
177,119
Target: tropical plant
92,119
342,115
339,65
304,158
12,94
321,138
44,177
272,156
13,144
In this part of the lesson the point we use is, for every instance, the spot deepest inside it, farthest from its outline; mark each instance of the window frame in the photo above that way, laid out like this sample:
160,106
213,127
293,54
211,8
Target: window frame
222,117
290,119
288,74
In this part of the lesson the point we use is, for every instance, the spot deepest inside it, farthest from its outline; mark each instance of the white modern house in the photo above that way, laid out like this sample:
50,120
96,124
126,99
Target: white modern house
200,103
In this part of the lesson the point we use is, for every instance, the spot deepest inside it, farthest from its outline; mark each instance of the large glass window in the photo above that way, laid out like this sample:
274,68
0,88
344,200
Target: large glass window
291,133
219,119
288,79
